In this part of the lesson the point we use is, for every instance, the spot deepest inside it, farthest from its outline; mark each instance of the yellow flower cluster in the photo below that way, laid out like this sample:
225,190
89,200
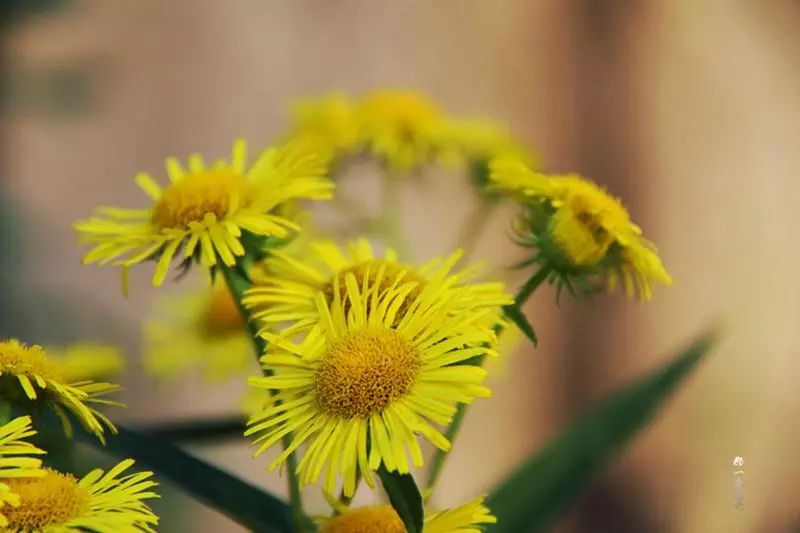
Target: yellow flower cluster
401,128
363,355
38,499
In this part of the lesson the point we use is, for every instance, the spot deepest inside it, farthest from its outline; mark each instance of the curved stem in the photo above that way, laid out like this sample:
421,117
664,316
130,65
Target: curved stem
238,283
471,231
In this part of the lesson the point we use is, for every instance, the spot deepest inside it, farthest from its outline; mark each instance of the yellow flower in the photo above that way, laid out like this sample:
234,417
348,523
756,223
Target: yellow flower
295,276
87,361
363,385
328,122
401,127
577,228
208,213
15,460
28,377
466,518
100,501
199,328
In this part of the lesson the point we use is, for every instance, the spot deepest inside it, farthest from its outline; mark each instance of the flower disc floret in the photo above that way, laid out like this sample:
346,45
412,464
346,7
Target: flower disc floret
401,127
209,192
50,500
364,372
100,501
373,519
465,518
287,294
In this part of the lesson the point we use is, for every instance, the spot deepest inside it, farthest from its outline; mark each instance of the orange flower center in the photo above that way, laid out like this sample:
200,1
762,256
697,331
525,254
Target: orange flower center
194,196
365,371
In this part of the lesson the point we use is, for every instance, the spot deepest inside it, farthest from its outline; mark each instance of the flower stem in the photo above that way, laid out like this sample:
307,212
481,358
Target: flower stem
391,220
440,456
238,283
470,232
531,285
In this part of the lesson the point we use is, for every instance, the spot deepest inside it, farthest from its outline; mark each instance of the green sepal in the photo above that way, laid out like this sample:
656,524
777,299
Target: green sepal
533,497
515,315
405,497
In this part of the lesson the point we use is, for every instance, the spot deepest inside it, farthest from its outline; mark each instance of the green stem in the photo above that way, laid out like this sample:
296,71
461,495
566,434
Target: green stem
440,456
531,285
238,283
469,235
391,219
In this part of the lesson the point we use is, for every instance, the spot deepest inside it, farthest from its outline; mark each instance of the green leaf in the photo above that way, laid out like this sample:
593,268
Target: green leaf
532,498
405,498
199,430
515,314
250,506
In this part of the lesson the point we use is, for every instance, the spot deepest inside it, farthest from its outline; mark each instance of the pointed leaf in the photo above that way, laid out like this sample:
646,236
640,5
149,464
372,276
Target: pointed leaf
515,314
532,498
248,505
405,498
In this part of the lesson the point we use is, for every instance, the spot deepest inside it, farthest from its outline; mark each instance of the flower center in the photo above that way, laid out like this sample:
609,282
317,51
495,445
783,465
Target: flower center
365,371
404,108
221,317
587,221
17,358
51,500
369,270
375,519
193,196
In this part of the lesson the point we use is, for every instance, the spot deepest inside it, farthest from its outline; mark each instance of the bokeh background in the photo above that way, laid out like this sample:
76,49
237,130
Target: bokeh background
687,109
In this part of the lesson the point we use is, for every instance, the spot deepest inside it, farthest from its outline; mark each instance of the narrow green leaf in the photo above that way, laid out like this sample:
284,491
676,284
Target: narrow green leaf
246,504
532,498
199,430
405,498
515,314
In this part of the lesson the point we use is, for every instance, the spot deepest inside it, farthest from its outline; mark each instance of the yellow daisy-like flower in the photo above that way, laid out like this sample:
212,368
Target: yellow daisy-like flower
28,376
104,502
201,328
288,292
361,387
329,122
16,460
466,518
208,213
590,229
401,127
87,361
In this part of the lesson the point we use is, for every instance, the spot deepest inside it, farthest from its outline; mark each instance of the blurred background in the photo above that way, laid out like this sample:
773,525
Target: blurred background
686,109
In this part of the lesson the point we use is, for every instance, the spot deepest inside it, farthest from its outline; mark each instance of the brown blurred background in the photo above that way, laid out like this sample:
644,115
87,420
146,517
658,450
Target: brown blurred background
687,109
